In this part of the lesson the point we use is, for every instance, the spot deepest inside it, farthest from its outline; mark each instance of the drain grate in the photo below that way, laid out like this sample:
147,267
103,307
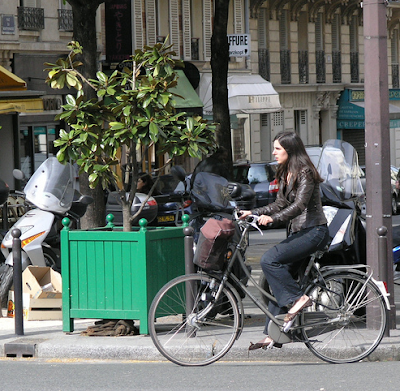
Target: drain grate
24,350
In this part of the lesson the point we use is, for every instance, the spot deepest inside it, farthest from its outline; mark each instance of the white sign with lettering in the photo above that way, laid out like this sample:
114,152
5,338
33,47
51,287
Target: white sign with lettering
239,45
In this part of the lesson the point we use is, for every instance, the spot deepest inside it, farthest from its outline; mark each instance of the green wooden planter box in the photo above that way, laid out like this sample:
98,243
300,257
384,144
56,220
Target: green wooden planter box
115,274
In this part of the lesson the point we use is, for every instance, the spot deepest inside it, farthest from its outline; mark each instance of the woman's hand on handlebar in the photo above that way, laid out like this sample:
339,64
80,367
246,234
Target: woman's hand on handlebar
264,220
244,213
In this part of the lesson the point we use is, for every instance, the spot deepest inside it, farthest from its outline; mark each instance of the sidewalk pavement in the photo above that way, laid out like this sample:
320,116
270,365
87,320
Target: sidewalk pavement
46,340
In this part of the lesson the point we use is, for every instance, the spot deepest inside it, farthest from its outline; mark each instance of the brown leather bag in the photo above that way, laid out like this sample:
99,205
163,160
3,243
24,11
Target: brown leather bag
213,243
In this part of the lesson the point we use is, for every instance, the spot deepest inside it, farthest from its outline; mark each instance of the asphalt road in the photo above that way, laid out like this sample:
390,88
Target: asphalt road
27,375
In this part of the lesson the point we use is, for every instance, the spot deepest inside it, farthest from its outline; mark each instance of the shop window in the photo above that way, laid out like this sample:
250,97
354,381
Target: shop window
36,145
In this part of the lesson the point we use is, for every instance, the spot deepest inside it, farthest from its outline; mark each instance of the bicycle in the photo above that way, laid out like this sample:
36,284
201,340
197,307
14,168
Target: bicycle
195,319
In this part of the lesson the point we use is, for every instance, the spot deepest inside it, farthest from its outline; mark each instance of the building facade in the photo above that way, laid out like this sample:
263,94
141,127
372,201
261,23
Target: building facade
32,33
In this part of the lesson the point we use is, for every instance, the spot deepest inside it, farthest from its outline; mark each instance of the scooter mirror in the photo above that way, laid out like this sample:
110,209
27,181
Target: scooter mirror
18,174
178,172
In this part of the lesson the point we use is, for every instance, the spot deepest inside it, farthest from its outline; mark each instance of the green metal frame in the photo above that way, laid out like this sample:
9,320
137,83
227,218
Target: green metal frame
111,274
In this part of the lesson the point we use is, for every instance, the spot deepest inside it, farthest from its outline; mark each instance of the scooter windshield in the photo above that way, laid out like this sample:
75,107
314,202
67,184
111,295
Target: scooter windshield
338,166
51,186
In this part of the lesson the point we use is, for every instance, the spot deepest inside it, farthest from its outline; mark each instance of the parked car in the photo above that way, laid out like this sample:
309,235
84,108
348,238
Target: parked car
395,193
260,177
173,200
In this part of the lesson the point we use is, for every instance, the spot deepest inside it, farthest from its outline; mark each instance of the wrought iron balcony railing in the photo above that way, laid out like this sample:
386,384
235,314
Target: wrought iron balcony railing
264,64
65,20
320,66
395,76
30,18
354,68
195,49
303,67
336,67
285,67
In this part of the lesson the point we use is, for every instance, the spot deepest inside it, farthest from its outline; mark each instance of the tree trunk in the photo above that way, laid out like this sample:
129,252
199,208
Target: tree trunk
219,67
84,14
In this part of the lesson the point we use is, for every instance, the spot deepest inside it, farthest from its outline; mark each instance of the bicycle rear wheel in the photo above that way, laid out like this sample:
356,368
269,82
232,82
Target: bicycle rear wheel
188,326
347,320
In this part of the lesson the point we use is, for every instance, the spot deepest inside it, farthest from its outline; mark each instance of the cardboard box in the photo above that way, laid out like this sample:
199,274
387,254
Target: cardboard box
36,309
42,282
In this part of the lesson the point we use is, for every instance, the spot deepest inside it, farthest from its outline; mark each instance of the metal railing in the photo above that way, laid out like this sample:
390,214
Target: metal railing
30,18
285,67
195,48
264,64
354,68
303,67
65,20
395,76
320,66
336,67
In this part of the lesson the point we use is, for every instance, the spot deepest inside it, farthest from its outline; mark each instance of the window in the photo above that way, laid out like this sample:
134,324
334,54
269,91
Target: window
36,145
319,48
284,47
395,58
336,52
263,52
354,67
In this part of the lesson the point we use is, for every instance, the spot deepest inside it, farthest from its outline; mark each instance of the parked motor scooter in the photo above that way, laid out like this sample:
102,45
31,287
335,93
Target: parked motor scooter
341,193
50,190
215,198
4,192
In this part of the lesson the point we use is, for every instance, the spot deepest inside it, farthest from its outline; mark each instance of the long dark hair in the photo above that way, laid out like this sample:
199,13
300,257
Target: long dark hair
297,157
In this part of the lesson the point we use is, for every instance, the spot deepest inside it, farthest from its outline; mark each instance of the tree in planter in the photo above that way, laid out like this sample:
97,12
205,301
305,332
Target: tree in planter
133,108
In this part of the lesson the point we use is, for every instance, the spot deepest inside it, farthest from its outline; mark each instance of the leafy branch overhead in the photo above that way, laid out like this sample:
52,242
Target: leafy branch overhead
134,107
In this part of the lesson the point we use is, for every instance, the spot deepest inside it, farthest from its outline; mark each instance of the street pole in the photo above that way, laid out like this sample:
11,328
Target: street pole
377,142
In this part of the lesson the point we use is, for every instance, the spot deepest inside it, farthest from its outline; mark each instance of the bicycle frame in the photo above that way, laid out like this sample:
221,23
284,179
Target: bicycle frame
320,275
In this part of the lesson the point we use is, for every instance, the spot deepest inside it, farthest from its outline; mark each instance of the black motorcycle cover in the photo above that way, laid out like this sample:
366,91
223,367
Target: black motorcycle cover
210,191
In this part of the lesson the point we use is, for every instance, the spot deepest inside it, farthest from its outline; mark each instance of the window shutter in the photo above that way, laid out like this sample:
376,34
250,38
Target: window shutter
174,26
187,32
336,33
207,28
138,41
262,27
151,28
238,16
394,47
283,30
319,39
353,34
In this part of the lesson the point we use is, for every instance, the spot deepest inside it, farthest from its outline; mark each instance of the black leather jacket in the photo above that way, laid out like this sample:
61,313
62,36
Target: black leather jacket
301,206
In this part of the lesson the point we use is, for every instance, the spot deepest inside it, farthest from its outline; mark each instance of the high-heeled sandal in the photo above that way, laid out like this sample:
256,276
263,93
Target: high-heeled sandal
291,316
263,344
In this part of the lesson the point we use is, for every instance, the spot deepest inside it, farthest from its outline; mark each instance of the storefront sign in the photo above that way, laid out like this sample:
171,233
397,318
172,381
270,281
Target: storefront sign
7,24
359,95
51,104
239,45
118,30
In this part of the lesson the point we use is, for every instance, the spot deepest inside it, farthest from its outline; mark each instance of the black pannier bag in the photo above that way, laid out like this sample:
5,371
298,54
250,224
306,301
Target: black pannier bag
213,243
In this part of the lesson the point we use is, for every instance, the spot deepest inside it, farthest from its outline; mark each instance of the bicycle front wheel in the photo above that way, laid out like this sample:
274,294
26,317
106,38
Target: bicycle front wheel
188,326
347,320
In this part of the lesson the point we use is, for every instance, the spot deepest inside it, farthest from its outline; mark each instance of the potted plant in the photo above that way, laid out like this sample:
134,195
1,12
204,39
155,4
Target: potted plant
106,275
134,108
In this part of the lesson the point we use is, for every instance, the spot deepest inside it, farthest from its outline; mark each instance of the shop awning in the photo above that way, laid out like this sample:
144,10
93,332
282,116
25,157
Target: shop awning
190,100
34,105
351,115
10,82
250,94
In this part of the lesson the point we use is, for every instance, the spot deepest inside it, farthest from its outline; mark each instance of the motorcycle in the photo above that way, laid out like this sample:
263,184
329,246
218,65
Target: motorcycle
51,191
4,192
341,195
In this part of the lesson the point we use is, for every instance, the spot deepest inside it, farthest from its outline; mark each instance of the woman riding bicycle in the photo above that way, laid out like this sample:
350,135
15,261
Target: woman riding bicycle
298,204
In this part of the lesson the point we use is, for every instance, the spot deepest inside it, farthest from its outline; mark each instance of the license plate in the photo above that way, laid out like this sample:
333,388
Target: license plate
164,219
